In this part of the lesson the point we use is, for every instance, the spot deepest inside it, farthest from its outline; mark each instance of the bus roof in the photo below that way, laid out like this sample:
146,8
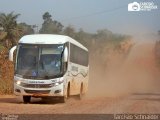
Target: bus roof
49,39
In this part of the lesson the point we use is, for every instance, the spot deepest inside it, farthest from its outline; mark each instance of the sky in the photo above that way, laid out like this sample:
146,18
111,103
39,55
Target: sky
90,15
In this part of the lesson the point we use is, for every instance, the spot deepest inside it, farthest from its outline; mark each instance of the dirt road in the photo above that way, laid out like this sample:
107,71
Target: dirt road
140,95
135,103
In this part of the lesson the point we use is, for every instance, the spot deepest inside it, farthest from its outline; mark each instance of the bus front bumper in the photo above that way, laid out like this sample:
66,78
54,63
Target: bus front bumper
56,91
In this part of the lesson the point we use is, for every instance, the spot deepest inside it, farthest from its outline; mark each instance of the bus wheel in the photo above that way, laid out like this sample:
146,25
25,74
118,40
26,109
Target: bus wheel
81,92
26,99
65,98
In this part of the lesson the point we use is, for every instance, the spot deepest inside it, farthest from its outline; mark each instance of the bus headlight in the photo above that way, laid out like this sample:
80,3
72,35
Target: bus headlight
59,81
56,84
18,82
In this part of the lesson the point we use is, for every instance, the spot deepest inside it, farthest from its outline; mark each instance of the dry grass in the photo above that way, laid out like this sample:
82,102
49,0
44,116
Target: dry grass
6,74
6,86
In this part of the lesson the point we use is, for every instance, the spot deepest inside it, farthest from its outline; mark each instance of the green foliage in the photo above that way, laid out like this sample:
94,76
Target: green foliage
46,16
9,24
11,31
1,47
27,29
2,35
69,31
96,41
8,21
50,26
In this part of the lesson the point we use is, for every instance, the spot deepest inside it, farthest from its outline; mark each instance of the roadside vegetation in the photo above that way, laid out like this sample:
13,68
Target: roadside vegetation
101,44
157,50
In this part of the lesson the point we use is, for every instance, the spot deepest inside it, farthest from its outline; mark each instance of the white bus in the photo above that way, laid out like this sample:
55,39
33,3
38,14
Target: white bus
50,65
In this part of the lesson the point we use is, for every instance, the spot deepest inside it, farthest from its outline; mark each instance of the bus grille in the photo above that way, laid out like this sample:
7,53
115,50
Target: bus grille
37,85
37,91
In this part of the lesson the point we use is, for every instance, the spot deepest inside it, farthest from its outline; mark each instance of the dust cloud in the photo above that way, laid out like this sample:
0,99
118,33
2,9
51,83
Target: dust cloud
136,73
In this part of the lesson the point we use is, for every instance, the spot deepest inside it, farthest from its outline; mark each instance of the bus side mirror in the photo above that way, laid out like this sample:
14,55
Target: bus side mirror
65,54
11,52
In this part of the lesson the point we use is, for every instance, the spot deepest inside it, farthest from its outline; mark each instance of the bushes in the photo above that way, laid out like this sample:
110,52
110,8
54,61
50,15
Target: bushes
157,53
6,73
6,86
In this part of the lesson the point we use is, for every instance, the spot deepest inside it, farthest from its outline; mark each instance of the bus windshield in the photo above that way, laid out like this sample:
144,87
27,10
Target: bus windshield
39,61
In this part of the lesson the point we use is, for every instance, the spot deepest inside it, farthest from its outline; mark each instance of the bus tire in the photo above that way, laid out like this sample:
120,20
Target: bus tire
65,98
80,92
26,99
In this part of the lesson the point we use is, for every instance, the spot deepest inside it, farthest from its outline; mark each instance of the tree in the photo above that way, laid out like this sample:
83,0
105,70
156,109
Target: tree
104,34
50,26
8,23
46,16
158,32
70,31
84,37
27,29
